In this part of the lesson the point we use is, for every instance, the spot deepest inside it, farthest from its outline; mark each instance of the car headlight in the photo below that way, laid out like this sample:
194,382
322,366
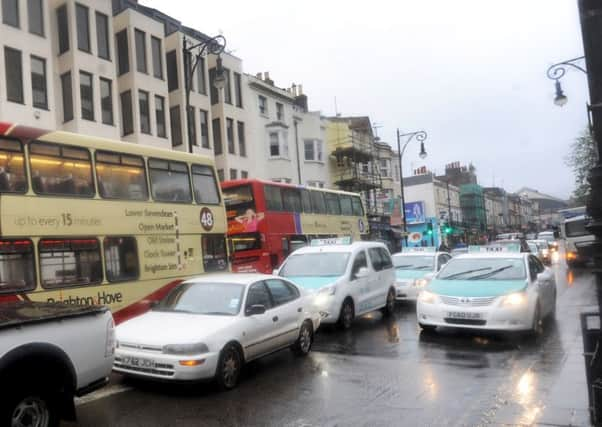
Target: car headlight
515,300
545,252
324,294
328,290
427,297
421,283
197,348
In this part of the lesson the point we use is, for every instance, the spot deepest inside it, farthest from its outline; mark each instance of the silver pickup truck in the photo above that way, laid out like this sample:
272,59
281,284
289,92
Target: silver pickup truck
50,353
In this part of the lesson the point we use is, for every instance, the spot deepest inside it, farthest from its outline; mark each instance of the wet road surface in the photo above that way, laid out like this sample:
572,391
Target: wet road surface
384,372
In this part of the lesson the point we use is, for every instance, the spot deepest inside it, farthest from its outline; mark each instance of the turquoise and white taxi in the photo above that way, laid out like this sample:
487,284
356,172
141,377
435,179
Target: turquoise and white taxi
494,288
414,268
348,279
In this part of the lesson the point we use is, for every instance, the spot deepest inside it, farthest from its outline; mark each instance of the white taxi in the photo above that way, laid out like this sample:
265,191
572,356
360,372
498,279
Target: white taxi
348,279
208,327
500,290
414,268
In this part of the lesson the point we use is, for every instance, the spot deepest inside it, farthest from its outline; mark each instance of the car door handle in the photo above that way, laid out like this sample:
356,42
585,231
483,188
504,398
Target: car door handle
275,318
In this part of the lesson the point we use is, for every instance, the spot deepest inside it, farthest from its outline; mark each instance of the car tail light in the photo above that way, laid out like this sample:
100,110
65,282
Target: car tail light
110,338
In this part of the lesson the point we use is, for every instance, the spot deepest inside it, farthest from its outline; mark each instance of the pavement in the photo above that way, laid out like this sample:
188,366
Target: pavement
384,372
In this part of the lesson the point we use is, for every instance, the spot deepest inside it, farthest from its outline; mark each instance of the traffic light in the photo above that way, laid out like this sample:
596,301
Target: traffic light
429,229
447,229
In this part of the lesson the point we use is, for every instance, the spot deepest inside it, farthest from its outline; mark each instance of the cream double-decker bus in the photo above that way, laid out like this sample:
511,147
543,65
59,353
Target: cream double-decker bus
88,220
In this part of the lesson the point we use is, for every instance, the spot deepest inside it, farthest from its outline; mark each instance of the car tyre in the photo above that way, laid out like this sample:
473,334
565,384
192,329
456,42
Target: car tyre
427,328
305,340
347,314
229,367
32,408
389,308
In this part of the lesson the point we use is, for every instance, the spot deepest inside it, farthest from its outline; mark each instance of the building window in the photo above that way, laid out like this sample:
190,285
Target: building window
38,82
238,89
191,117
127,116
143,106
10,12
220,175
204,129
140,41
35,15
14,75
200,77
63,28
86,94
123,57
263,105
384,168
282,180
242,142
157,57
83,27
67,94
176,126
244,174
227,88
309,149
316,184
279,112
278,144
160,116
217,137
213,92
102,35
106,101
172,70
233,174
230,135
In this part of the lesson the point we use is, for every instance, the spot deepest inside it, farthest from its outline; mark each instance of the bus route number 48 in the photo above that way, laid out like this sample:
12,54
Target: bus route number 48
207,219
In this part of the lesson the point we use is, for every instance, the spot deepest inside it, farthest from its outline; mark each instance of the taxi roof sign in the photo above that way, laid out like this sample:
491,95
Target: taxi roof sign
331,241
420,249
514,248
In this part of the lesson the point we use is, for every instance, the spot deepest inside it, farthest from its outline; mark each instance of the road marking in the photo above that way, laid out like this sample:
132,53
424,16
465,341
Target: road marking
102,393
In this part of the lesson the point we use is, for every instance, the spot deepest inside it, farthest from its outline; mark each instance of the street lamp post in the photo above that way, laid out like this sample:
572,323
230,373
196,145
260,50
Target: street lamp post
420,137
557,71
215,46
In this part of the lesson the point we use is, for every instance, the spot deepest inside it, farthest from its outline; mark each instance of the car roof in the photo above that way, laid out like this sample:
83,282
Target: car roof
397,254
355,246
474,255
238,278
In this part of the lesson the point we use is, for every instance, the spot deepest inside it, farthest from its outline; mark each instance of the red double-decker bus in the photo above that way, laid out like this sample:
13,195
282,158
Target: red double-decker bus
268,220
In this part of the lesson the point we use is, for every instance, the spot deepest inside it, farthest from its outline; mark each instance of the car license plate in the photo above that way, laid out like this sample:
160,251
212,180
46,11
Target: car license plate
138,362
463,315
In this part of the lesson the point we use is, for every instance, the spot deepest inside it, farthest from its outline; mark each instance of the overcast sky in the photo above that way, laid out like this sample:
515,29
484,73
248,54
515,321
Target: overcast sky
472,73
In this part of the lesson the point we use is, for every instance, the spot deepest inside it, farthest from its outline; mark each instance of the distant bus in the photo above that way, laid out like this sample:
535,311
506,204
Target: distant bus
268,220
578,241
92,221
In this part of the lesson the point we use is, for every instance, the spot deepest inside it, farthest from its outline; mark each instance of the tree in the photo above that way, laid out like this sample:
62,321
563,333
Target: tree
581,160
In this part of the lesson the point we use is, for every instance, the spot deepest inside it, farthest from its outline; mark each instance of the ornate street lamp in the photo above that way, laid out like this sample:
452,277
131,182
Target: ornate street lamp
557,71
214,46
420,136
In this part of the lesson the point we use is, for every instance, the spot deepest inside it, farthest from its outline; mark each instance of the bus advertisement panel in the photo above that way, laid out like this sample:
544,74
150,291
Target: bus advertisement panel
93,221
267,220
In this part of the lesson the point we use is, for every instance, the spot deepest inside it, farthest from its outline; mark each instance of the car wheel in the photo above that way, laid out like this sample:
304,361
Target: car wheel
389,307
306,338
229,367
347,314
427,328
30,409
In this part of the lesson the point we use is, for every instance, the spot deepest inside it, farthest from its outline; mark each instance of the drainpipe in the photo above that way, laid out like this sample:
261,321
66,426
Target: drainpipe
297,147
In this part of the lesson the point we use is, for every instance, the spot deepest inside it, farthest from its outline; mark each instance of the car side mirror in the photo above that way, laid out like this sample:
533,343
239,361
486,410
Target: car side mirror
362,272
255,310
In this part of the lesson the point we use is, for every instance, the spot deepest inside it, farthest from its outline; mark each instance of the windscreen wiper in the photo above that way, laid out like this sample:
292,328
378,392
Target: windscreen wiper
453,276
490,273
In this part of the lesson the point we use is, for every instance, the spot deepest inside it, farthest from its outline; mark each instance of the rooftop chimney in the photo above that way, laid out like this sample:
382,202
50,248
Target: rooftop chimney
266,78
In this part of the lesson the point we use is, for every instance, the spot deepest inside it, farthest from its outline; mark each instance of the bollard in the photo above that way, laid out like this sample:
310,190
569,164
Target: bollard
590,330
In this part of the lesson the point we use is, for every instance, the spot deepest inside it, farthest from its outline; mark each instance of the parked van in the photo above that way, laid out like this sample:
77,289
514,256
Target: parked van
577,241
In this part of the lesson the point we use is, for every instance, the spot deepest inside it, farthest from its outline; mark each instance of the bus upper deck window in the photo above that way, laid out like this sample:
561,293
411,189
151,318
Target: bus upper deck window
60,170
205,185
357,206
121,176
17,266
345,205
12,167
169,181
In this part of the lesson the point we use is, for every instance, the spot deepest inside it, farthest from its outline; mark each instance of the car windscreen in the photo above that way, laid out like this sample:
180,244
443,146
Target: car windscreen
203,298
533,247
575,228
414,262
483,269
331,264
542,245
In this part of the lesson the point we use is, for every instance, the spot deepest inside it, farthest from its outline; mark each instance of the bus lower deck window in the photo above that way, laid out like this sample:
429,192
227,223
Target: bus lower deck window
214,252
17,266
121,258
69,262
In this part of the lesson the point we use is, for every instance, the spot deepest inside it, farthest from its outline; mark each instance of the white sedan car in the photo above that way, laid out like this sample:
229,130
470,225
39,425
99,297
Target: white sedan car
209,327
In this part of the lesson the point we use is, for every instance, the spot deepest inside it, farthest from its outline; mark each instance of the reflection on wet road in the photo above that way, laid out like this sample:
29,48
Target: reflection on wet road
384,372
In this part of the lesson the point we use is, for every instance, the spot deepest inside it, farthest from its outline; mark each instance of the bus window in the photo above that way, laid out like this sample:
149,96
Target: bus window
273,198
345,205
291,200
17,266
214,252
120,176
356,204
332,204
245,242
317,202
169,181
121,258
204,184
306,201
575,228
12,167
69,262
238,200
60,170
